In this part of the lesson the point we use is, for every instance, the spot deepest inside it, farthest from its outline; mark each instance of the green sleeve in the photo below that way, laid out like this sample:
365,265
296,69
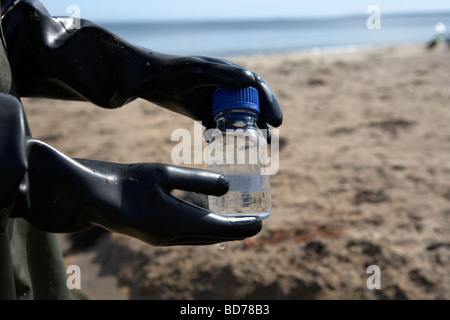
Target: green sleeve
32,265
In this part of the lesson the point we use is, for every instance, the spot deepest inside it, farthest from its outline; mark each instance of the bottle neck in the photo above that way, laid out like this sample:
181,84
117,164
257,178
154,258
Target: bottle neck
236,118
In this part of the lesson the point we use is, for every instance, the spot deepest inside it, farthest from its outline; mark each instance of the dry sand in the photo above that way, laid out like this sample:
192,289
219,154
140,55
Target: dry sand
364,180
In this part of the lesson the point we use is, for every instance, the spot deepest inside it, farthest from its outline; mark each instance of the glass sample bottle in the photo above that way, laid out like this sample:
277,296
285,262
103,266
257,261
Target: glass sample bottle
238,150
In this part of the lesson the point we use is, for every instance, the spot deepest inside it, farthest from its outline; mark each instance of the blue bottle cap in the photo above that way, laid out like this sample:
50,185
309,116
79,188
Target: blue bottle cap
229,98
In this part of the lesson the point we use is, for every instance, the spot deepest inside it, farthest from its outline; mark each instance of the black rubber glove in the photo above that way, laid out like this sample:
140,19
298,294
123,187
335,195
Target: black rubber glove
12,153
48,59
59,194
66,195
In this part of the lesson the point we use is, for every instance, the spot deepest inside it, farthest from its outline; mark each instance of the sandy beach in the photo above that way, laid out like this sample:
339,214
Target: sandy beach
364,180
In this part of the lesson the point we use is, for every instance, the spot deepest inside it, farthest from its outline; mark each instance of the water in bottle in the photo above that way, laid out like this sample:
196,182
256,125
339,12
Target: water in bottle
238,150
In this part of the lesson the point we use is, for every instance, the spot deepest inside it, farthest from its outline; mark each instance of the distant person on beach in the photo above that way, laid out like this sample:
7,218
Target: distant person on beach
439,35
43,192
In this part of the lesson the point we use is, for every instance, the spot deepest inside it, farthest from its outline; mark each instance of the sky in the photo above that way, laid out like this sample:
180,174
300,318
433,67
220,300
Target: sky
153,10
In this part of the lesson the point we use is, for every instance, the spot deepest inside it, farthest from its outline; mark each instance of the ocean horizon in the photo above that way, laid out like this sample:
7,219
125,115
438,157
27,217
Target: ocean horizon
239,37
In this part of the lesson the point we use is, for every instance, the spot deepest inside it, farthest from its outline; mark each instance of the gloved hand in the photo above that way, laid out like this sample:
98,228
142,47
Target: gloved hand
51,60
186,84
60,194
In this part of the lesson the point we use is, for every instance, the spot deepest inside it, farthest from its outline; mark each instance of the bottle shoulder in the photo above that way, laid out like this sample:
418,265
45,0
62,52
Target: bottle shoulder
253,134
